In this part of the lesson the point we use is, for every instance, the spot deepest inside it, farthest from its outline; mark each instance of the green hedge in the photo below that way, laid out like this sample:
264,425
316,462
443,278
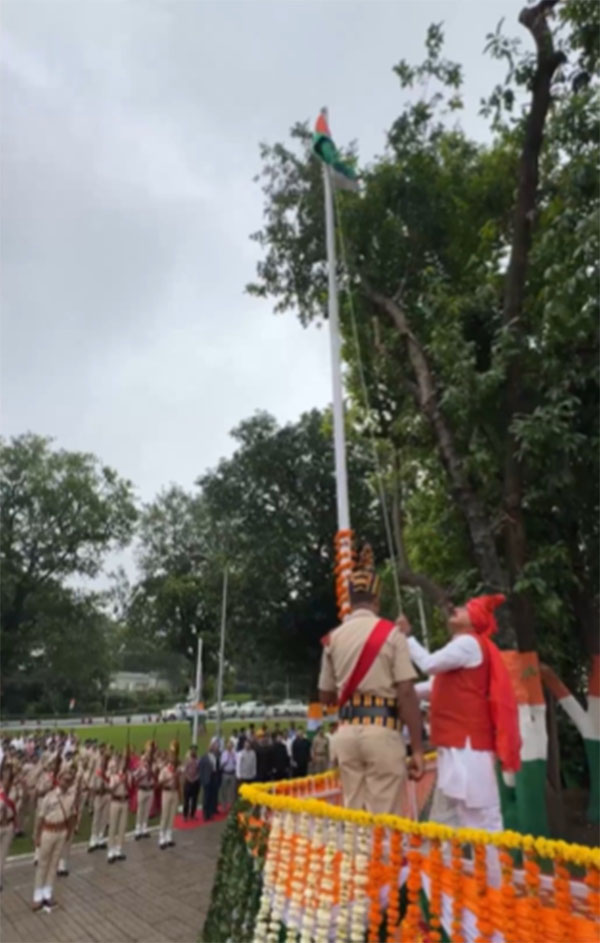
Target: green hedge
238,881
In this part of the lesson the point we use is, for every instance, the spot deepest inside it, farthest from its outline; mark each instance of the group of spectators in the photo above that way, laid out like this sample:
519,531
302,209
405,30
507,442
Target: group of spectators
250,755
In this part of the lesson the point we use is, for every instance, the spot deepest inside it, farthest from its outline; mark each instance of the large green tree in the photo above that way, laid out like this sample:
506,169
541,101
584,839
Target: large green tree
472,270
61,512
268,514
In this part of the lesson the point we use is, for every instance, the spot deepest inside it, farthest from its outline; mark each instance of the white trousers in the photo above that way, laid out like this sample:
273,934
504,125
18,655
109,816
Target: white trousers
457,814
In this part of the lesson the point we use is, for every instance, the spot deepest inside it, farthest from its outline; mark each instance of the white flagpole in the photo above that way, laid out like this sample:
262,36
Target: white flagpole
339,437
221,654
198,692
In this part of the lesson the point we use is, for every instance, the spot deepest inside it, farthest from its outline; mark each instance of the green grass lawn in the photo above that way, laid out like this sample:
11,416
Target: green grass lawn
117,736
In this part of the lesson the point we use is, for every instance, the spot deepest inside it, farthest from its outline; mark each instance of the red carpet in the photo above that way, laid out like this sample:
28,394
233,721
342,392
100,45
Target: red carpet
183,825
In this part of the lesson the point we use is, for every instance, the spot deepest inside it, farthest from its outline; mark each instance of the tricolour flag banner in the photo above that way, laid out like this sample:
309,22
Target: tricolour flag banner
343,175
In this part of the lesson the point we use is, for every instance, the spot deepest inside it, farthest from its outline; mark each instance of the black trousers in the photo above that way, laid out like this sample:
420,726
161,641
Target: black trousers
210,797
190,799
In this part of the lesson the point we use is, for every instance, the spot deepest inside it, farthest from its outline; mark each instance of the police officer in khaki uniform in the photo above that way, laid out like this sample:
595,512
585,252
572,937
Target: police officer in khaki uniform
56,817
43,785
366,665
144,779
169,781
8,814
76,795
319,753
100,799
119,782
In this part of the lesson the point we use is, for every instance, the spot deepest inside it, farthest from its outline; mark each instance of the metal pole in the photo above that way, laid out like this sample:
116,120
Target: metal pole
339,435
198,692
221,654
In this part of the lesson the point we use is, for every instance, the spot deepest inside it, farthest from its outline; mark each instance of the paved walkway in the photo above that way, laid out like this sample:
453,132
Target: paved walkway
151,897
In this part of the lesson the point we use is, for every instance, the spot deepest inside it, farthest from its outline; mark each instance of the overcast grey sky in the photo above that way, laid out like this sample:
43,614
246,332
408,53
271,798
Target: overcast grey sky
130,136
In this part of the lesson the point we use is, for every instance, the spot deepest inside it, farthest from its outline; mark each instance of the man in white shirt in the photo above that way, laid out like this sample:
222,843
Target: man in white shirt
245,764
463,726
228,767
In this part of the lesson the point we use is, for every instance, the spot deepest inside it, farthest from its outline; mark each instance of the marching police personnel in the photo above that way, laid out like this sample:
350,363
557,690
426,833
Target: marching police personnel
8,814
101,800
56,817
144,779
118,784
169,781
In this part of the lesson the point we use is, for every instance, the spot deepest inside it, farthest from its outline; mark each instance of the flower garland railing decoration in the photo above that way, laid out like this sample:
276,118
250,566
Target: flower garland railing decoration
316,872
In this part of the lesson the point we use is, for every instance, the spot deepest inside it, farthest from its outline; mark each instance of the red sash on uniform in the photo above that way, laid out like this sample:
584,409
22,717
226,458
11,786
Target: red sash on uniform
371,649
8,802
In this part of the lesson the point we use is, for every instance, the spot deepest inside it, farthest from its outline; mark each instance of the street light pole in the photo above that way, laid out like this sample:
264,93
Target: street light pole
198,692
221,654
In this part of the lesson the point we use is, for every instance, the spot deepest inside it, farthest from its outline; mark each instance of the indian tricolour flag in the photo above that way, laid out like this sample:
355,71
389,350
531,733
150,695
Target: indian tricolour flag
343,175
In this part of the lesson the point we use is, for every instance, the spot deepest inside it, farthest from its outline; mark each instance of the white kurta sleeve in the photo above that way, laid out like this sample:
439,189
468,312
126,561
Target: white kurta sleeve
423,690
462,651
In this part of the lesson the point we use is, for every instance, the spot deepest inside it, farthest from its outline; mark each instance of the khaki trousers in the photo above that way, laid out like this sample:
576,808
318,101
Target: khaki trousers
228,789
63,861
320,765
36,814
372,767
99,818
51,846
169,802
117,824
144,802
6,836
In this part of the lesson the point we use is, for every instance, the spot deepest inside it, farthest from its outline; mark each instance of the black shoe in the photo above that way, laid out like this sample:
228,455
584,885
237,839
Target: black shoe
170,844
111,860
49,903
145,835
92,848
121,857
62,874
163,845
137,836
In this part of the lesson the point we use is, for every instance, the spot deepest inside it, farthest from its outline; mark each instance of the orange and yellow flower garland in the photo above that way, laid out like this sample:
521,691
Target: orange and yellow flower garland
528,917
412,917
375,885
435,892
393,911
485,925
457,891
509,919
592,880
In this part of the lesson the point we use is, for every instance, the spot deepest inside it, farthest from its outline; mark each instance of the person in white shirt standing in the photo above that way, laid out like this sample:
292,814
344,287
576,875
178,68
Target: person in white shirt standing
474,716
228,765
245,764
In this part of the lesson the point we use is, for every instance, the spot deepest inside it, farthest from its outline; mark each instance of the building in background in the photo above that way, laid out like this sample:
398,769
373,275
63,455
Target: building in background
132,682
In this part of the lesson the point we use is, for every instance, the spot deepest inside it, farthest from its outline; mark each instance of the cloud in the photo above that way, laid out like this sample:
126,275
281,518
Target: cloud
129,142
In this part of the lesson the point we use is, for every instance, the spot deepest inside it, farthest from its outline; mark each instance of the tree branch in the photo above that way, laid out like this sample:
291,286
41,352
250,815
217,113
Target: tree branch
437,594
548,60
427,399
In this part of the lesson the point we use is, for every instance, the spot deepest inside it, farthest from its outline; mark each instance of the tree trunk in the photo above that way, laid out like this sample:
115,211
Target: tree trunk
515,541
427,397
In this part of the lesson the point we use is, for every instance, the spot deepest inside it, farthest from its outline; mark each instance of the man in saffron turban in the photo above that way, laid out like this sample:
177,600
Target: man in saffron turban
474,716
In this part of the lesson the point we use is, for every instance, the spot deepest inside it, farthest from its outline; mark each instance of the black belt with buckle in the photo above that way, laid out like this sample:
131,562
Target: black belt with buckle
369,709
